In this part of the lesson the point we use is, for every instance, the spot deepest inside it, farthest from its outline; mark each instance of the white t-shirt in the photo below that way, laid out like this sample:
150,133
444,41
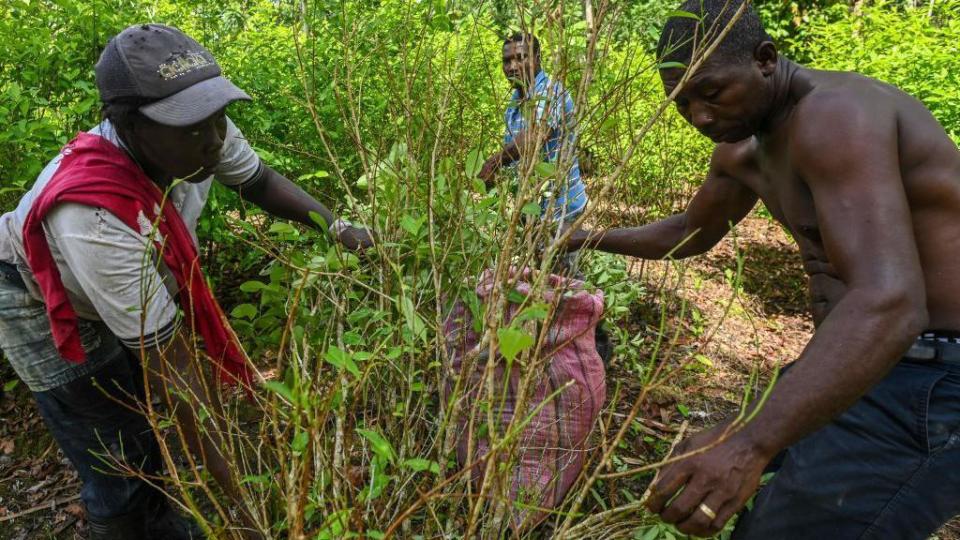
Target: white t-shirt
104,264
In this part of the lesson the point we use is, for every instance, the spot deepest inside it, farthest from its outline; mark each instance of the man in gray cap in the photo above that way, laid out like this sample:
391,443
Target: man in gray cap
87,279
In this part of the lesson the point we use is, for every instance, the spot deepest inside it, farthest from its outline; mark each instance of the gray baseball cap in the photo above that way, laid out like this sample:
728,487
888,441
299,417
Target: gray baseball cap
161,64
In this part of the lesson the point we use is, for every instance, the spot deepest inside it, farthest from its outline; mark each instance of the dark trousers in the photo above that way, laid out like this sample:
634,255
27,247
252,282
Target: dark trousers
89,408
105,440
888,468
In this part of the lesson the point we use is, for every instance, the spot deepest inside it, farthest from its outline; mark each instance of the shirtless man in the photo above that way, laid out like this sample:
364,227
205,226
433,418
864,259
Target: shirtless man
867,420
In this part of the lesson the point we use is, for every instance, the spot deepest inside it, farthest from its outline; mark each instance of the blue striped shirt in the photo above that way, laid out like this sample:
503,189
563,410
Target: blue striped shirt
555,107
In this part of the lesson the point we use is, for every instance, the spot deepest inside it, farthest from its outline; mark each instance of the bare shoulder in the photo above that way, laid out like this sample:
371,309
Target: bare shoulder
843,110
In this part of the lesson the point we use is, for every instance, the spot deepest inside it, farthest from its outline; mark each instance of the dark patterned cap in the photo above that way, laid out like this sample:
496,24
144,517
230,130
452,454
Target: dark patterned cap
162,64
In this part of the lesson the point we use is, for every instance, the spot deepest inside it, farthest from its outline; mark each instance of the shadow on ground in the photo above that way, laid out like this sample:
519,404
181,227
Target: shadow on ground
772,274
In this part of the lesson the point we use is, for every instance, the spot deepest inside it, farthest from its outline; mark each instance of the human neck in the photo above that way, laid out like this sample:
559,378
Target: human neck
132,147
784,96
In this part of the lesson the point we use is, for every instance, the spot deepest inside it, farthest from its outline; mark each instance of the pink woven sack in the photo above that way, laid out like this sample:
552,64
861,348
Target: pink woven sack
553,447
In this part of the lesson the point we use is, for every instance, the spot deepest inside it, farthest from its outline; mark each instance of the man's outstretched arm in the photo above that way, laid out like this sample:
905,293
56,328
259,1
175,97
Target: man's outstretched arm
526,140
280,197
176,375
720,203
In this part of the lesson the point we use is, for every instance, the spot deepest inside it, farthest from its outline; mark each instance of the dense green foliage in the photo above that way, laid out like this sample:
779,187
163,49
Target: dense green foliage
49,48
383,109
915,49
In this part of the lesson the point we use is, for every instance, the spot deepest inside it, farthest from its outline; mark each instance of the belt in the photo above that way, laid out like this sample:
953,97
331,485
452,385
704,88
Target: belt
927,350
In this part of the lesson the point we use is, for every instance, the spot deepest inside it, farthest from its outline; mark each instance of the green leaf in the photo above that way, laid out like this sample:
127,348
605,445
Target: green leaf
652,533
531,209
420,465
318,219
363,182
380,446
703,360
380,480
474,163
545,169
10,385
335,525
684,410
261,479
359,315
479,187
341,360
299,443
203,415
414,320
252,286
683,14
671,65
410,224
281,389
537,311
281,227
516,297
334,263
352,338
336,356
244,311
513,341
317,174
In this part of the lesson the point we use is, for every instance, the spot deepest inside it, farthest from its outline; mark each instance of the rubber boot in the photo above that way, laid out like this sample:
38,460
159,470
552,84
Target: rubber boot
165,523
131,526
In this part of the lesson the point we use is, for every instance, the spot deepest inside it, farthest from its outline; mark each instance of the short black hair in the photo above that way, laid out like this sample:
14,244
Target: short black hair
524,37
124,112
677,38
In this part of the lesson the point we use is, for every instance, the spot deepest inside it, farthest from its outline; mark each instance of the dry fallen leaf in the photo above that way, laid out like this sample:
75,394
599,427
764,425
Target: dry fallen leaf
7,446
75,510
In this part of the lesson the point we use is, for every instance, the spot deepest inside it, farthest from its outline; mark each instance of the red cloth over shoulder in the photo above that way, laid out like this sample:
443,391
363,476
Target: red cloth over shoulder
95,172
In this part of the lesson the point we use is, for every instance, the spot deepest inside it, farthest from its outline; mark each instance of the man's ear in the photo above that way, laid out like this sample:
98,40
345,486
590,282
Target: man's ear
765,55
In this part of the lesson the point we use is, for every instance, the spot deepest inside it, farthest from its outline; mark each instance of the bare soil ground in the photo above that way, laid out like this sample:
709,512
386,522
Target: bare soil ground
762,326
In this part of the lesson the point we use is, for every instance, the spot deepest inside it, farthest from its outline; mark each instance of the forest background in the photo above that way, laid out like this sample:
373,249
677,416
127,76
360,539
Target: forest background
384,110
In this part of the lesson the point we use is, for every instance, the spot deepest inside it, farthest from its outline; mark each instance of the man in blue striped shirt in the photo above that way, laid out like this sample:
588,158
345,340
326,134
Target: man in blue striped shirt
540,115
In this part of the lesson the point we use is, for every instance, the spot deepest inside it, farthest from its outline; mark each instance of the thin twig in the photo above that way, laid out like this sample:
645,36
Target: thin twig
45,506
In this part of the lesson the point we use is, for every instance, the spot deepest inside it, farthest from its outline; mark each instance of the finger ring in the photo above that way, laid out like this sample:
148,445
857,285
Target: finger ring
708,511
